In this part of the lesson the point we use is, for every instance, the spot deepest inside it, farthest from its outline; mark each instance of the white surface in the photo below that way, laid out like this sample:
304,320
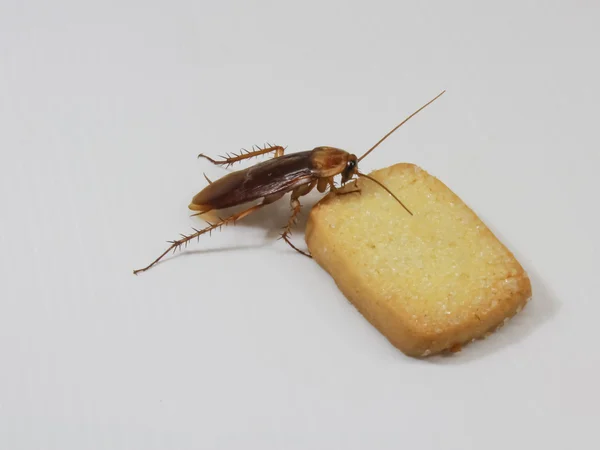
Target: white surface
103,109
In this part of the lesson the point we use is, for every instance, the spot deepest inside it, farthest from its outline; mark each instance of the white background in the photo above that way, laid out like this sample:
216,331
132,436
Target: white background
239,342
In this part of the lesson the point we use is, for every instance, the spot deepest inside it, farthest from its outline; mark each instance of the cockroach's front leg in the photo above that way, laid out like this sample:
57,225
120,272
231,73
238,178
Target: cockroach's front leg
356,190
296,207
232,158
327,183
323,184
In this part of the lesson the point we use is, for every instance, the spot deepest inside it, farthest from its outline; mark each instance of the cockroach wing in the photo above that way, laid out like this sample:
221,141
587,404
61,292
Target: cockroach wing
275,176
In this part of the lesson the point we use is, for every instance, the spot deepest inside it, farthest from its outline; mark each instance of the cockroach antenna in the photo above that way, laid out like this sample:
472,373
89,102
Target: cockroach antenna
401,123
360,174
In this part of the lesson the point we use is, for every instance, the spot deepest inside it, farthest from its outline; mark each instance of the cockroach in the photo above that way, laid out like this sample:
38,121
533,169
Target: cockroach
270,180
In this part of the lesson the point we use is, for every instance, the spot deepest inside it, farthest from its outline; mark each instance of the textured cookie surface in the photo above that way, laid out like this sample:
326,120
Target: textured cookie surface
429,282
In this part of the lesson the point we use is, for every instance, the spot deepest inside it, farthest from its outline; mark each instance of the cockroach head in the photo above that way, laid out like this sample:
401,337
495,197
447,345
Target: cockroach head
350,169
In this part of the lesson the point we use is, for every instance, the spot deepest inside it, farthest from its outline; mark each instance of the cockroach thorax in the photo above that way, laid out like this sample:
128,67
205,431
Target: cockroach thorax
329,161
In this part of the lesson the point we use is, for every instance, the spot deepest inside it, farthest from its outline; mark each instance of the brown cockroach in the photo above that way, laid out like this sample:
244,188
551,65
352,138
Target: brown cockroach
270,180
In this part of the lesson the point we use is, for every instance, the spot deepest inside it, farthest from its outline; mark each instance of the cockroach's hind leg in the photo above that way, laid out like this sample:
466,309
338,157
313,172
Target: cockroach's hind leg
183,241
232,158
207,179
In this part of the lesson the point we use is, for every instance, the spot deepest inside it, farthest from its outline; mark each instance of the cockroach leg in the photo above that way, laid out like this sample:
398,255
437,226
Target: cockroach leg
332,187
356,190
323,184
207,179
296,207
232,158
353,191
177,244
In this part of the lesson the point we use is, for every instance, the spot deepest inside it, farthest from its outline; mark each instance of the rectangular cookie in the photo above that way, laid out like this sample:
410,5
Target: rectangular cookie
430,282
